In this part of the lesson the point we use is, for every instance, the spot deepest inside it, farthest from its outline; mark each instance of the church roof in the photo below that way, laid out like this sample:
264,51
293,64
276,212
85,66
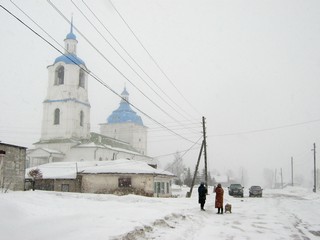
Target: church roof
124,113
69,59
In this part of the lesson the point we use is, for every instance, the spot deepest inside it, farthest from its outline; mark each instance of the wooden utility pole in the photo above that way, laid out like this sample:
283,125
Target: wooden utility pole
281,178
315,168
195,172
275,178
205,150
292,171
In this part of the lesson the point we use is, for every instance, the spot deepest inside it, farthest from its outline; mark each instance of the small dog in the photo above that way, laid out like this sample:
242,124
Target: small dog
227,208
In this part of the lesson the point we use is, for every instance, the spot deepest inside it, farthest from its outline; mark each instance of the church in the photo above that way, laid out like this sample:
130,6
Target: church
65,132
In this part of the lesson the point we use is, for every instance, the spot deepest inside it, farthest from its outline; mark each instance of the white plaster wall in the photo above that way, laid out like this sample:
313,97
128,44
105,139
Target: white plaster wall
69,126
131,133
92,183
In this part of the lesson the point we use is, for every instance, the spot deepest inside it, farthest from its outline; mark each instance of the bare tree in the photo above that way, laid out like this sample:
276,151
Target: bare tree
35,174
177,168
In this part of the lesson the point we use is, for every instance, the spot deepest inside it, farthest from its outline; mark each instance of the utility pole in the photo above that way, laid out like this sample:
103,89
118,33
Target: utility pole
195,172
205,150
292,171
281,178
275,178
315,168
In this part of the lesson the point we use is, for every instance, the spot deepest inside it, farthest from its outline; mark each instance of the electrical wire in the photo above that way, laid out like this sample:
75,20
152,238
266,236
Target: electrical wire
101,54
265,129
115,39
152,58
90,73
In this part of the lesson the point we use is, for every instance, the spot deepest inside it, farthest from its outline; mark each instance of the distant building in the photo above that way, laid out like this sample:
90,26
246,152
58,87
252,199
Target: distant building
12,167
65,133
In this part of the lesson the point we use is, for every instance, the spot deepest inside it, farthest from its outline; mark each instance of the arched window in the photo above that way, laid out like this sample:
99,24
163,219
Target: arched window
59,78
56,116
81,78
81,118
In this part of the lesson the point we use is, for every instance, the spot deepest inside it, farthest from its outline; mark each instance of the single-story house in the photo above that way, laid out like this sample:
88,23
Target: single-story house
118,177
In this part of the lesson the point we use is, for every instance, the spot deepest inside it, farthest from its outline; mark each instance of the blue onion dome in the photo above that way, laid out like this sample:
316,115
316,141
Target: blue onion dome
70,59
71,35
124,113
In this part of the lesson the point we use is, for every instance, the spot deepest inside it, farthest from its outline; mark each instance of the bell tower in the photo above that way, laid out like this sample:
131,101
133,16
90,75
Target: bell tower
66,108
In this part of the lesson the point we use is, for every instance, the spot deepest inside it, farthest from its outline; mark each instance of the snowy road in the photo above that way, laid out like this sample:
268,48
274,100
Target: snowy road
291,213
275,216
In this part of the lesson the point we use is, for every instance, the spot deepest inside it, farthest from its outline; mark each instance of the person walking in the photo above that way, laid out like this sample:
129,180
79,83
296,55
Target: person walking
202,191
219,198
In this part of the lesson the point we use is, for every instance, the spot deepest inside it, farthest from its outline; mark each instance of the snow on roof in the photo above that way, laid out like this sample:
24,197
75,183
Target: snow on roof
51,150
94,145
125,166
68,170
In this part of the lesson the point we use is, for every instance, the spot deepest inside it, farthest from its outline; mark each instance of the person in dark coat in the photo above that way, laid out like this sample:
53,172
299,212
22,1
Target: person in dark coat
219,198
202,191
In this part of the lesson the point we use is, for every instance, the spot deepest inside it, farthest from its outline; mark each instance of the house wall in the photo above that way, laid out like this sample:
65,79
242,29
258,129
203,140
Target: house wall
58,185
12,167
67,185
108,183
142,184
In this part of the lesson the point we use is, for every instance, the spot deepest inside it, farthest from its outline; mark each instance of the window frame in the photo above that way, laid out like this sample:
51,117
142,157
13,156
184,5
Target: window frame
56,116
59,75
124,182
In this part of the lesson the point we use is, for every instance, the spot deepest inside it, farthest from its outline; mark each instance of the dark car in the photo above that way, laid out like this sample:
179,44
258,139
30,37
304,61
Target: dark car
255,191
236,190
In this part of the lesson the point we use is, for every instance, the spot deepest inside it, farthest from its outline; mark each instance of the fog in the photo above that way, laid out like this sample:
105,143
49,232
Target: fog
251,68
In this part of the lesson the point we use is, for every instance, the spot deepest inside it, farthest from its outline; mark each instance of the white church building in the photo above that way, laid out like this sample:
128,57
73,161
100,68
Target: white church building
65,132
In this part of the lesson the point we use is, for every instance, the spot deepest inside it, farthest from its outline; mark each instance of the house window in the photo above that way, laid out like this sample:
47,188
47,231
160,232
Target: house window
56,117
59,77
64,187
167,184
162,188
81,78
157,187
81,118
124,182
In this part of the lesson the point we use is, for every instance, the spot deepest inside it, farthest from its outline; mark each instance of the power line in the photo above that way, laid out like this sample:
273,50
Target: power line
152,58
102,55
90,73
114,38
265,129
64,17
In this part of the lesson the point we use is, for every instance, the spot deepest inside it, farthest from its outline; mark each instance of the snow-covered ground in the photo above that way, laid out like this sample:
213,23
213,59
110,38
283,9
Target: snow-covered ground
290,213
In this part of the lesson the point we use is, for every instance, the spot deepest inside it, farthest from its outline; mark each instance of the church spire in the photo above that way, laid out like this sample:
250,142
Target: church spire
125,96
71,41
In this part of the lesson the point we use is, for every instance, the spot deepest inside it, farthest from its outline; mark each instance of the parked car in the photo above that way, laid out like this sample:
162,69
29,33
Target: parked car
255,191
236,190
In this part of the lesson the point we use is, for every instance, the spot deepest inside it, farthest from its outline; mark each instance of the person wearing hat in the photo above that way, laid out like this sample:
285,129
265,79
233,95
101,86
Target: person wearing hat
202,191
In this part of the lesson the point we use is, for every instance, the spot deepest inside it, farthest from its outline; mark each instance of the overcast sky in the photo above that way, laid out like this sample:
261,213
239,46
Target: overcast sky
251,68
